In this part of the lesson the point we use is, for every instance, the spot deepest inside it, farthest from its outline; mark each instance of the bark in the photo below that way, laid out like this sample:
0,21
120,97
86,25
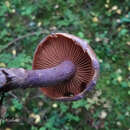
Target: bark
20,78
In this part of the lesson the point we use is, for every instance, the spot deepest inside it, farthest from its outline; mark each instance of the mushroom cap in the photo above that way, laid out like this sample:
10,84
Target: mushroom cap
58,47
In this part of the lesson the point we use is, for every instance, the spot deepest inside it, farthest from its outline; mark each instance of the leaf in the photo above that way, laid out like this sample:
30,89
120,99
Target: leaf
17,104
81,35
2,65
78,104
123,32
124,84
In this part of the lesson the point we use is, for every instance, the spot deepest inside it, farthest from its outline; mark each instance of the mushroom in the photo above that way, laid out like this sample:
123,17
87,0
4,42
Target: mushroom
61,47
64,67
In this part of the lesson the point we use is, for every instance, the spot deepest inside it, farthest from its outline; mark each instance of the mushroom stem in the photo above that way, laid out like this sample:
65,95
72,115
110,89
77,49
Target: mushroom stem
20,78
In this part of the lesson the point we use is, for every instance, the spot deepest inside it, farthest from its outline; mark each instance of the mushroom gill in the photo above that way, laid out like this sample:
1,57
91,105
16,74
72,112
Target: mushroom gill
55,49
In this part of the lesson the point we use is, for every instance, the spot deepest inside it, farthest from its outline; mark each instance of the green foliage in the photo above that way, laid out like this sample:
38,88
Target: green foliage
16,104
21,60
104,25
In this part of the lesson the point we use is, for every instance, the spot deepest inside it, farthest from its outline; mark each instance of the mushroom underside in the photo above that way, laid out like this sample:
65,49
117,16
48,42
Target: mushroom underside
54,50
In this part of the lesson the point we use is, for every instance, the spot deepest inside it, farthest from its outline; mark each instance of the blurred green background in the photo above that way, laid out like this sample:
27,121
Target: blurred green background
105,25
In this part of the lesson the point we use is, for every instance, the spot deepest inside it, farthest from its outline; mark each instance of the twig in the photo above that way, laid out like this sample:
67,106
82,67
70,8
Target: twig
20,38
2,98
13,95
1,101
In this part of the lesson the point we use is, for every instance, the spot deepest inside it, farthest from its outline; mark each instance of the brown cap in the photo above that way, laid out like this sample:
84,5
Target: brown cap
59,47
